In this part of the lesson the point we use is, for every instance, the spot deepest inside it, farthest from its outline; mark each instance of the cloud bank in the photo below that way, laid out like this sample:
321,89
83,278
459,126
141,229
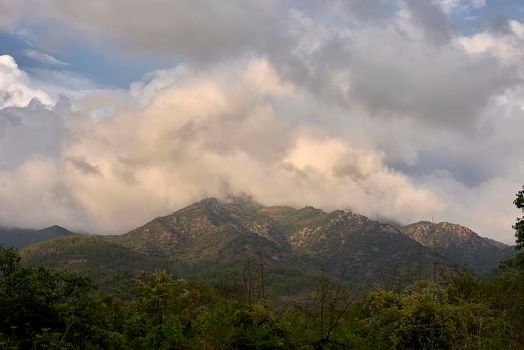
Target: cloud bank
183,136
385,109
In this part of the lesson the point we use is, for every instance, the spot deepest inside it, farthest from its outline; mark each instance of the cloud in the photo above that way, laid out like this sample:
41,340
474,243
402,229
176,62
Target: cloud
388,109
12,11
199,29
393,58
505,45
44,58
15,89
394,71
239,128
449,6
198,134
26,132
427,16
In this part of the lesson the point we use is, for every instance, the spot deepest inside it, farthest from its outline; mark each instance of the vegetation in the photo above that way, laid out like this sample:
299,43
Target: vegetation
519,225
44,309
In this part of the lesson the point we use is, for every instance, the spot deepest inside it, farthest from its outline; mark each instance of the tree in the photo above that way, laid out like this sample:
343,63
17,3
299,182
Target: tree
43,308
519,225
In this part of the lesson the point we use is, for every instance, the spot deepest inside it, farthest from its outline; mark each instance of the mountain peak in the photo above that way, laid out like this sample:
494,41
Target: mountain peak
461,231
20,238
459,244
209,201
207,228
240,202
347,216
425,232
56,229
243,200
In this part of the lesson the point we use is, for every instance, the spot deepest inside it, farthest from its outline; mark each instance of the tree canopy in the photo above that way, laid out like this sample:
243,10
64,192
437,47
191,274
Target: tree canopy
519,224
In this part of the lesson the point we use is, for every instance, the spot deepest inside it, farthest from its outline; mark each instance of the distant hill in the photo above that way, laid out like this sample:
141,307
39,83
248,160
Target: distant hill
111,264
20,238
460,245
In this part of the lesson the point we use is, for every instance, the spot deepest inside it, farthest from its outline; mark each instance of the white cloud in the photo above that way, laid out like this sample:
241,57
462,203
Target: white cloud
202,134
459,5
507,46
15,86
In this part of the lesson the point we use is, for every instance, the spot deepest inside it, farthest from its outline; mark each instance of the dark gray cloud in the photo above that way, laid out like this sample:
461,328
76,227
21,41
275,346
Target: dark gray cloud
431,19
83,166
443,86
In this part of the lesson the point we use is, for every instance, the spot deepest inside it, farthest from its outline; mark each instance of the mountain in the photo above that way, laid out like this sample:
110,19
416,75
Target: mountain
110,264
223,241
209,230
214,231
365,250
20,238
237,240
459,245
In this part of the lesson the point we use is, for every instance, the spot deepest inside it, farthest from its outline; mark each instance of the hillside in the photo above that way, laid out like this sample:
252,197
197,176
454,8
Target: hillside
460,245
342,241
214,231
20,238
210,230
110,264
223,241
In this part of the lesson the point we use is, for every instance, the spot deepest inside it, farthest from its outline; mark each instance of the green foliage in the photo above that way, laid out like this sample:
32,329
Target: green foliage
424,317
162,314
519,224
44,308
110,264
182,314
9,261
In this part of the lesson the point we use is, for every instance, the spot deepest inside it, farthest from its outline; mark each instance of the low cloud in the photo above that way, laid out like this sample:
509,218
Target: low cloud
202,134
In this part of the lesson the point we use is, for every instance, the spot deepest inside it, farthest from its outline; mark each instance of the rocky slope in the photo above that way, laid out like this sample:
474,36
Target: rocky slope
209,230
308,239
459,245
346,242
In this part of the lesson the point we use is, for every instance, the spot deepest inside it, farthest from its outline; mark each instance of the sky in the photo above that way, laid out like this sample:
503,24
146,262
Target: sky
115,112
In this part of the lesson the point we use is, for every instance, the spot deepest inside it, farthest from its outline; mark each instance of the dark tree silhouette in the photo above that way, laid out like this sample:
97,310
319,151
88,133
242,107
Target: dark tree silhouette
519,225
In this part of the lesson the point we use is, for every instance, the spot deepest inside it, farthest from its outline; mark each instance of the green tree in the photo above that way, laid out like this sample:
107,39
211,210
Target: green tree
426,316
43,308
519,225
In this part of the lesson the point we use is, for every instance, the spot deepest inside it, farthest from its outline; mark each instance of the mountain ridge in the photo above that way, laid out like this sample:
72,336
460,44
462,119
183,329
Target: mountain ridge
217,237
459,244
20,237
